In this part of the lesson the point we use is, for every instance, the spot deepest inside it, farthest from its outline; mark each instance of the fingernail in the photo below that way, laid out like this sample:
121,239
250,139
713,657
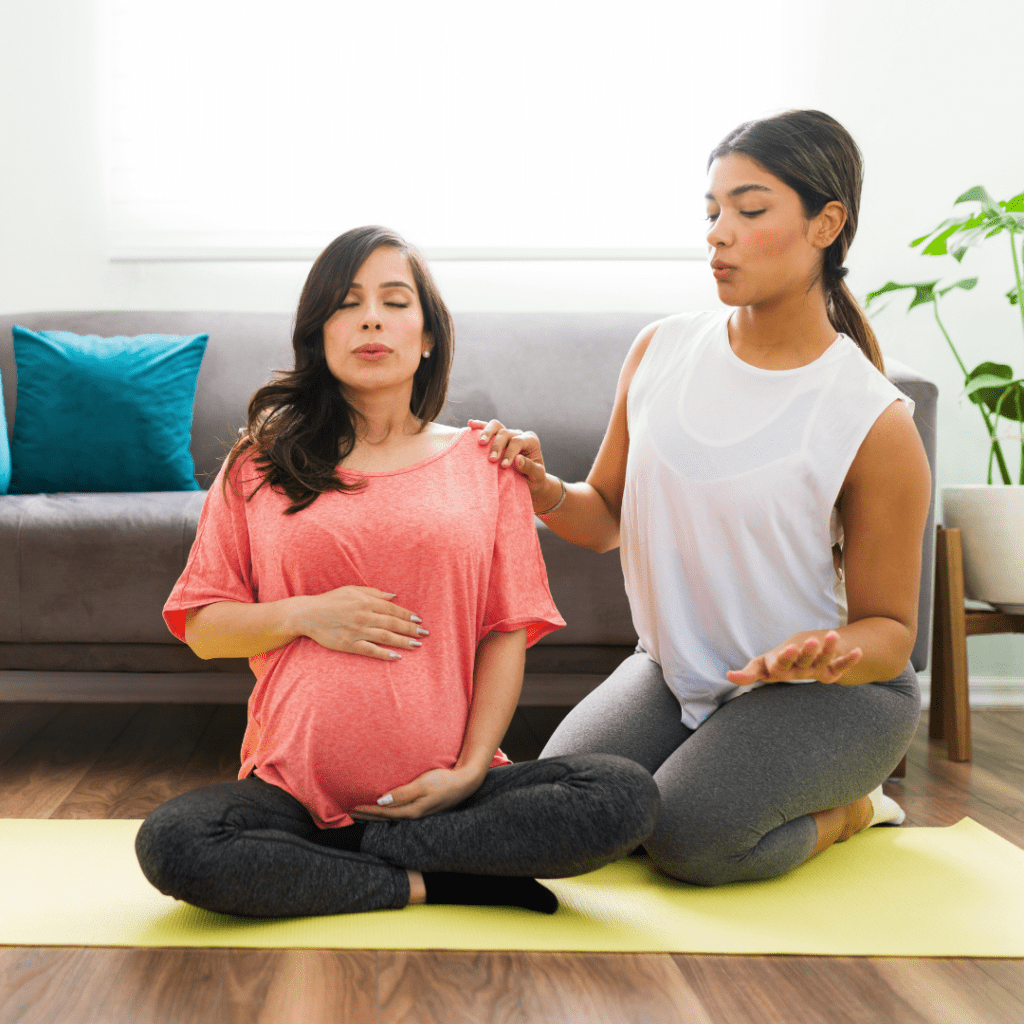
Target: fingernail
416,618
385,800
505,462
483,437
393,654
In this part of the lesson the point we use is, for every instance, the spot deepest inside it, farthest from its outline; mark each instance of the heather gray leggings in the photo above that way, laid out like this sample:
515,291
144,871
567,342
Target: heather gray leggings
737,793
251,849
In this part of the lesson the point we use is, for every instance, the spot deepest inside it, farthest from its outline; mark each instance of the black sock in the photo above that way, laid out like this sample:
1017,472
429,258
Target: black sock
488,891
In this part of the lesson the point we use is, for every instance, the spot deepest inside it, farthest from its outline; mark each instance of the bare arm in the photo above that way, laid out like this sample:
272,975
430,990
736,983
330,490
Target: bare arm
231,629
497,683
884,507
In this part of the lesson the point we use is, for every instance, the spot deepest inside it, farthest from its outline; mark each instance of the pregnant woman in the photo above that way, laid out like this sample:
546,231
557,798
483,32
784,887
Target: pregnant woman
370,778
769,492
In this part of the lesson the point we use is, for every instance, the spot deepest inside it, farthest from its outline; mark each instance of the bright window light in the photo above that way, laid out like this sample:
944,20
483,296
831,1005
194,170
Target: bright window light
504,129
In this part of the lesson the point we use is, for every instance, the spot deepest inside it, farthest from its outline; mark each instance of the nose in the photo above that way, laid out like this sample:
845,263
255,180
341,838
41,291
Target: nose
371,322
716,236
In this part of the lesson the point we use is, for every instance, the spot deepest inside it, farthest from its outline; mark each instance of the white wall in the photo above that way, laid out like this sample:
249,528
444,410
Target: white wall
931,116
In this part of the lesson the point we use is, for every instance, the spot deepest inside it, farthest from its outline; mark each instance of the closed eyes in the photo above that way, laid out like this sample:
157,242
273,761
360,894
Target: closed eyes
746,213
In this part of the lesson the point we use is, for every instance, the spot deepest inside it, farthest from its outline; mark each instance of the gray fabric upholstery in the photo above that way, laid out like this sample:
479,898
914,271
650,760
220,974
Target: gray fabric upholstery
83,577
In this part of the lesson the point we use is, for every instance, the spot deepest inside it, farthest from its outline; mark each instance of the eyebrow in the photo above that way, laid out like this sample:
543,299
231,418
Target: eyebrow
740,189
386,284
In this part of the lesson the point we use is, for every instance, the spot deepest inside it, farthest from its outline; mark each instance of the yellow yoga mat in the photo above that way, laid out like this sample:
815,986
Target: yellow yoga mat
956,891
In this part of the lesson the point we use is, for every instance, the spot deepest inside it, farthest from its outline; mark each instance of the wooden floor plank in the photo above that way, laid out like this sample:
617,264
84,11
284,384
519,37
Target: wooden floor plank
37,779
614,988
951,989
112,986
301,986
797,990
218,756
143,766
447,987
20,722
1008,973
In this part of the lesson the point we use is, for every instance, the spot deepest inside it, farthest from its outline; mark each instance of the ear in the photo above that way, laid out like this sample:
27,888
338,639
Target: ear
830,223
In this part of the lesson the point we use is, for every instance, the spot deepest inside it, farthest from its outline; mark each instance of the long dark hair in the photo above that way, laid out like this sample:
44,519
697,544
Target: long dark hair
817,158
300,425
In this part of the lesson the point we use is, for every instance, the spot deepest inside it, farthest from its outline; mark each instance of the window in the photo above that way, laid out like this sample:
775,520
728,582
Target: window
502,129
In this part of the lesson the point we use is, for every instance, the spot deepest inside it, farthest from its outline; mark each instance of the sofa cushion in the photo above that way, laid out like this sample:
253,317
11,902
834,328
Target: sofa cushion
92,568
104,414
5,447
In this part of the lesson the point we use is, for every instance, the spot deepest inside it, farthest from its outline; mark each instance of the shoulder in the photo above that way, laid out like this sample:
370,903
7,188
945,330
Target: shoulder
891,456
683,325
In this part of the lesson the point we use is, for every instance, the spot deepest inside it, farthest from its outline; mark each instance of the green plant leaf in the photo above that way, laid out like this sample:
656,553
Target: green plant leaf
979,193
1010,404
967,284
988,383
1013,295
1014,205
937,246
923,292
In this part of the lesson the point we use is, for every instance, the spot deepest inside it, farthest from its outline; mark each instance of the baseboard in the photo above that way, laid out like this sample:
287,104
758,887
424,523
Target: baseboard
552,689
984,691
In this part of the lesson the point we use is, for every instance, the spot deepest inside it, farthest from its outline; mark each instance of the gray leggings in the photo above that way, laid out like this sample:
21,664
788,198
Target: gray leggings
737,793
251,849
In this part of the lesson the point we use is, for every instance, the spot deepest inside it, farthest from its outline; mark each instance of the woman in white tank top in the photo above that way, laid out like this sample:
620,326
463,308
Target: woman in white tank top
769,491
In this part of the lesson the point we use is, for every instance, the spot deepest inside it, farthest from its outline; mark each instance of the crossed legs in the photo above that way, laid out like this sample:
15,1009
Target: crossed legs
249,848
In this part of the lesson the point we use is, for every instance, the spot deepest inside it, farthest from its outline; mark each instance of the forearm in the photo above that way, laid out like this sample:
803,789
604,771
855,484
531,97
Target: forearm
231,629
584,518
885,643
497,683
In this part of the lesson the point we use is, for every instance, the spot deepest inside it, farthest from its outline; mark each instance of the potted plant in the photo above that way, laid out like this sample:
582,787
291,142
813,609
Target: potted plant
990,518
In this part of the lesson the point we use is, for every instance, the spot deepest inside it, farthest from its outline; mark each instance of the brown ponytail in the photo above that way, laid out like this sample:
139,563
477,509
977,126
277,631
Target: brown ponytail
817,158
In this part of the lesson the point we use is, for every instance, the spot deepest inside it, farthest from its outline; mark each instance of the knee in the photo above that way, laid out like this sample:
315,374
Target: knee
628,796
166,850
693,868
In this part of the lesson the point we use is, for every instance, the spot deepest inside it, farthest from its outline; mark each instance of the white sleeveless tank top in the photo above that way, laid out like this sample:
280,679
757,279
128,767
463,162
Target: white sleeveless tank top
728,517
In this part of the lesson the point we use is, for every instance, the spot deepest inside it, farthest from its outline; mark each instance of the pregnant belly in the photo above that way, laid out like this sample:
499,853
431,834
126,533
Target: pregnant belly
334,745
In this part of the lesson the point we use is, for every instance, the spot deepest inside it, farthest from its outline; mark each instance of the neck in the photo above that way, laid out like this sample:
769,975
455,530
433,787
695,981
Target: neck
782,333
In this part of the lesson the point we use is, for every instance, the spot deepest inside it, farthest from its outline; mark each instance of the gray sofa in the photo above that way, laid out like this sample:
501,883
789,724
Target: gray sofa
83,577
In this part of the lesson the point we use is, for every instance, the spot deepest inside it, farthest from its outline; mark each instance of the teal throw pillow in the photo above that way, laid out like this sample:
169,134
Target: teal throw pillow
5,447
104,414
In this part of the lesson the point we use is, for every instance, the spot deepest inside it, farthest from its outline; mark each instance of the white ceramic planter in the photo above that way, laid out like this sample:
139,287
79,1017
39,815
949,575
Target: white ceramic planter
991,524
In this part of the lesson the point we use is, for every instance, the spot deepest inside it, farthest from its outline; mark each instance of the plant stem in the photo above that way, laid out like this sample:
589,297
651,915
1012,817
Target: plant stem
963,369
996,448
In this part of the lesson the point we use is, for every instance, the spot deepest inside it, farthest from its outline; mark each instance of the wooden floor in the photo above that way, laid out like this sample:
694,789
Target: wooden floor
121,760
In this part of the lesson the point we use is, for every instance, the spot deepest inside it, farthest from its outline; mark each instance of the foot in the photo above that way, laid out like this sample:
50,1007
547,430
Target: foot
885,810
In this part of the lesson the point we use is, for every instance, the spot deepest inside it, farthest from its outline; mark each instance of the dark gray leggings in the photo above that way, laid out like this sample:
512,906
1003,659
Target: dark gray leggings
737,793
251,849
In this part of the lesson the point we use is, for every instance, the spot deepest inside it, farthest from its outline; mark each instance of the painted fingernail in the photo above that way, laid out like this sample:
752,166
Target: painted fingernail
505,462
494,455
483,437
385,800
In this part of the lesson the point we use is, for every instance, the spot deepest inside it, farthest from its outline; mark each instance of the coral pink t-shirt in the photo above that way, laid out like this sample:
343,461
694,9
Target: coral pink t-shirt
452,537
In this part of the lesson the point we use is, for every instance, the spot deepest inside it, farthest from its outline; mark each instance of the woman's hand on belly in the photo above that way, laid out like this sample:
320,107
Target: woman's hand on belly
435,790
811,659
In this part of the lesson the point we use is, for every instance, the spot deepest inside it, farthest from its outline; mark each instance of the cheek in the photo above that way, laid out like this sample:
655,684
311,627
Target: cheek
771,243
